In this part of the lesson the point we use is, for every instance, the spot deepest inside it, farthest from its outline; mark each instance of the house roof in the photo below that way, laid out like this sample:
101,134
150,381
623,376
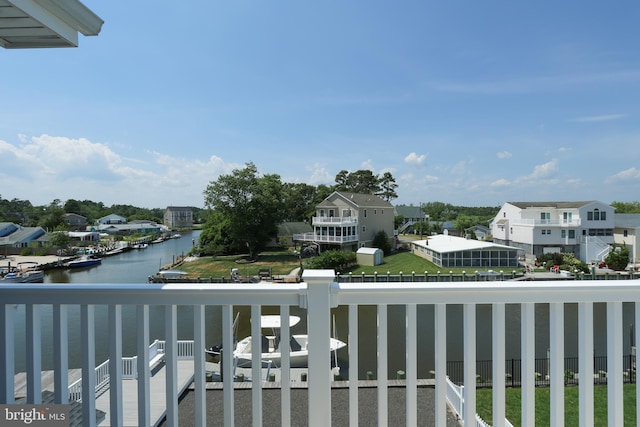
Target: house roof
51,23
627,220
556,205
23,235
409,211
444,243
358,200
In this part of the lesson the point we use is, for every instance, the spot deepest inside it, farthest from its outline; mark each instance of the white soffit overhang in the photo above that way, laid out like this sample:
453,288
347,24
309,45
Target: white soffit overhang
45,23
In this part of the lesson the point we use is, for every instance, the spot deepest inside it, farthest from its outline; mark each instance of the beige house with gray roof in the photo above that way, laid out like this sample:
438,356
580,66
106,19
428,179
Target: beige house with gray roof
348,221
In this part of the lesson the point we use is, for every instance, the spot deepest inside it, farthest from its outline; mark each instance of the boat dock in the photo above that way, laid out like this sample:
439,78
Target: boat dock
129,392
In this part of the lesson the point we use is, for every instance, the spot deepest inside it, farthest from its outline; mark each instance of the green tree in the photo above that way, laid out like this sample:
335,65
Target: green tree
618,258
381,241
387,187
59,239
251,205
54,217
360,181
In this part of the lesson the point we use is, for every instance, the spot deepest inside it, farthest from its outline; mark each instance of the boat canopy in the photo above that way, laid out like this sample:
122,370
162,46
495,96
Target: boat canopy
273,321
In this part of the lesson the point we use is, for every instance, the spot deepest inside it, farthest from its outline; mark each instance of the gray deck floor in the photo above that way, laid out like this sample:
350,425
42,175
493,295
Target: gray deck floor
129,392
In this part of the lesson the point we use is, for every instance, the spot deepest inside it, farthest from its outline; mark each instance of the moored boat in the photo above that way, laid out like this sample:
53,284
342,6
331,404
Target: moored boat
25,272
271,346
84,261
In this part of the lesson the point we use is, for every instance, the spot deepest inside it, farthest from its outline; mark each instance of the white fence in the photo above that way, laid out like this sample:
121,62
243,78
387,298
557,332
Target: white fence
318,294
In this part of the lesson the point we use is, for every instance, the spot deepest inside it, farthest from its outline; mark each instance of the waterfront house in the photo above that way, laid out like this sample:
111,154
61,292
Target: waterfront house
627,233
14,237
75,222
112,219
584,229
178,216
411,215
348,221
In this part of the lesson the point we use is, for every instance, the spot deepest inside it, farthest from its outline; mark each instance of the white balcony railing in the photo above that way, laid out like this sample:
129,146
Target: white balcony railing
318,294
575,222
335,220
323,238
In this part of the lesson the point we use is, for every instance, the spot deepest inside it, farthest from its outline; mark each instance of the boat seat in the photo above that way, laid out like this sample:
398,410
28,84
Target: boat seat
295,345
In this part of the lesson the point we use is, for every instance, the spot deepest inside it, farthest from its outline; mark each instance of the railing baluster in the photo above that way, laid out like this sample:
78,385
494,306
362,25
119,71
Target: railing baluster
527,375
440,344
585,350
142,365
411,373
615,392
634,362
7,393
34,354
498,356
61,353
171,363
556,372
383,392
88,333
469,322
285,365
256,365
199,375
116,416
227,365
353,365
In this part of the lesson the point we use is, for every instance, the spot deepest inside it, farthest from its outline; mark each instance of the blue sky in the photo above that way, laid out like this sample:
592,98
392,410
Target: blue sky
469,103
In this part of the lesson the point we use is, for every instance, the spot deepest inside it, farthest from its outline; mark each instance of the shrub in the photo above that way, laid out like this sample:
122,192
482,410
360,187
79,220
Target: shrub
335,259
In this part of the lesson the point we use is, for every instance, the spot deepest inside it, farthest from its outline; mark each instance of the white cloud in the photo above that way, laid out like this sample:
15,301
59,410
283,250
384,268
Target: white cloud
630,174
545,170
601,118
367,165
415,159
319,174
500,183
504,155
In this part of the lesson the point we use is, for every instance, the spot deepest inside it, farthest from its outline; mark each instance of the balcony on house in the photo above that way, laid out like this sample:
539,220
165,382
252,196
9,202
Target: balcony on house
318,294
562,222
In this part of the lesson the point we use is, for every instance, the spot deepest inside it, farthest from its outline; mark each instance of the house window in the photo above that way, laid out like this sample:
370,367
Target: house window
625,233
365,213
375,211
545,216
321,212
596,215
603,216
572,234
381,211
364,228
346,212
563,233
331,213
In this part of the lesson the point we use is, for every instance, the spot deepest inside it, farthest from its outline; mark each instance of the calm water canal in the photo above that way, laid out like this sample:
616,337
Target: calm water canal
135,266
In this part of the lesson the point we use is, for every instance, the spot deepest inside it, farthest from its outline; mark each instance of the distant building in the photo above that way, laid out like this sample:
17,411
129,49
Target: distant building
112,219
75,222
451,251
178,217
627,233
411,215
17,236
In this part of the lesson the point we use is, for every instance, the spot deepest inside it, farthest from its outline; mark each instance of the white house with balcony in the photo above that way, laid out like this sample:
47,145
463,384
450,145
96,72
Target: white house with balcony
348,221
627,233
584,229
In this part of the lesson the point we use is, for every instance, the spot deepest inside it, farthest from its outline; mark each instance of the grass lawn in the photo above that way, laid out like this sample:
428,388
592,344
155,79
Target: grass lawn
280,262
283,262
484,401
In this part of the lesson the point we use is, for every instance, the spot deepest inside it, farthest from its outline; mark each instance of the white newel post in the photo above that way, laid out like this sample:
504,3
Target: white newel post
318,324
